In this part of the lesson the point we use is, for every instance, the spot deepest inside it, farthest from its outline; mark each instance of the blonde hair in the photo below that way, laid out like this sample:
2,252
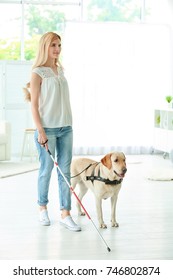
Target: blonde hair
44,43
27,93
42,56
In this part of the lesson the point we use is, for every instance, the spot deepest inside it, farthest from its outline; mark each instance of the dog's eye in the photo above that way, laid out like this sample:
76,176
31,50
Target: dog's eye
116,160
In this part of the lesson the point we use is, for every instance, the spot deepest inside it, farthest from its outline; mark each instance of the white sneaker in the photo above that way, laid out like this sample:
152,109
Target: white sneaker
44,218
70,224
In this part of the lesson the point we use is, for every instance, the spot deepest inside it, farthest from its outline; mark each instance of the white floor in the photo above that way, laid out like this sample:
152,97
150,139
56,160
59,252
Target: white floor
144,212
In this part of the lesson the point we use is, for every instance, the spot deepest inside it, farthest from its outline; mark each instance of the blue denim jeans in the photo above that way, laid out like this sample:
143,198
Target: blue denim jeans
60,142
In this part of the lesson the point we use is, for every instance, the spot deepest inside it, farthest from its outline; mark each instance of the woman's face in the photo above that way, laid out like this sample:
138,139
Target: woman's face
54,49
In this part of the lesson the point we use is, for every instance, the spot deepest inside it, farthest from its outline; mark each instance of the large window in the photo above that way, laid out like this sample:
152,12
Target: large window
23,22
10,31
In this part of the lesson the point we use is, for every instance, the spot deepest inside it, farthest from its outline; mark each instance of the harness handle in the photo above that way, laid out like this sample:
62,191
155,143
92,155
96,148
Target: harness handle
83,170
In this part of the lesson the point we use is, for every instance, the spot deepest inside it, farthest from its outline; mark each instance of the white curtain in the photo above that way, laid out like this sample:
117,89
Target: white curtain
118,74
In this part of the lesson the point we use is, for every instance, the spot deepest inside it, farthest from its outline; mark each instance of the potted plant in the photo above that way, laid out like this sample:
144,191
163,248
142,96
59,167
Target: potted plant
169,99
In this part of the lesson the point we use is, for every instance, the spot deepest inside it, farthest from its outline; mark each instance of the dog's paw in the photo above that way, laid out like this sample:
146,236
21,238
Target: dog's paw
103,226
115,224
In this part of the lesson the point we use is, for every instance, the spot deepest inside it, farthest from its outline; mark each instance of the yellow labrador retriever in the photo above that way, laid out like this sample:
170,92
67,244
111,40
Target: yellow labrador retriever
103,178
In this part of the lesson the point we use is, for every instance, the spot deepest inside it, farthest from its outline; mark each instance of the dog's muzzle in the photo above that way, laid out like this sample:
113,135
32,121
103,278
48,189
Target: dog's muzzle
124,170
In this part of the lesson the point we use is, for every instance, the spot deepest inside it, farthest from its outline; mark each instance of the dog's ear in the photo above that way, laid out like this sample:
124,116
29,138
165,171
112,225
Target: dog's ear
123,155
107,161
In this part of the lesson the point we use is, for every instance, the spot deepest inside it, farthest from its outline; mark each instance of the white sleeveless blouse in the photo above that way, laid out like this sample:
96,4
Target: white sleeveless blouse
54,101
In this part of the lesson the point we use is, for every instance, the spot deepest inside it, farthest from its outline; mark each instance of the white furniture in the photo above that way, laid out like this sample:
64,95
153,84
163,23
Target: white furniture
5,140
163,130
29,147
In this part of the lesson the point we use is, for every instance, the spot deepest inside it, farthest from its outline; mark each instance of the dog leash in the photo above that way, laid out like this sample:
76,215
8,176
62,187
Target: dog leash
84,169
93,178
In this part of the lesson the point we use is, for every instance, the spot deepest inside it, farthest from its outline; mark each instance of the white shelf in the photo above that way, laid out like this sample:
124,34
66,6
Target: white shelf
163,130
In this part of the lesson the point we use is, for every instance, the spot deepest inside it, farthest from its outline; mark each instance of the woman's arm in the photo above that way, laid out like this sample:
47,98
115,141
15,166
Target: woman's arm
35,86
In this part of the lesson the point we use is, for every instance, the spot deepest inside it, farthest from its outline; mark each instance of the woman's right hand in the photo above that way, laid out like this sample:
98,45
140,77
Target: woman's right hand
42,139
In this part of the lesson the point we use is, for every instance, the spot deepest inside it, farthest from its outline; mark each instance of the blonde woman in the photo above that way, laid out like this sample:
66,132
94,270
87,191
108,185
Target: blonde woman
51,111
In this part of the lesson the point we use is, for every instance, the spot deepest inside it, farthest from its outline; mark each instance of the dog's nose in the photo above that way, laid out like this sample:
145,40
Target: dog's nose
124,170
